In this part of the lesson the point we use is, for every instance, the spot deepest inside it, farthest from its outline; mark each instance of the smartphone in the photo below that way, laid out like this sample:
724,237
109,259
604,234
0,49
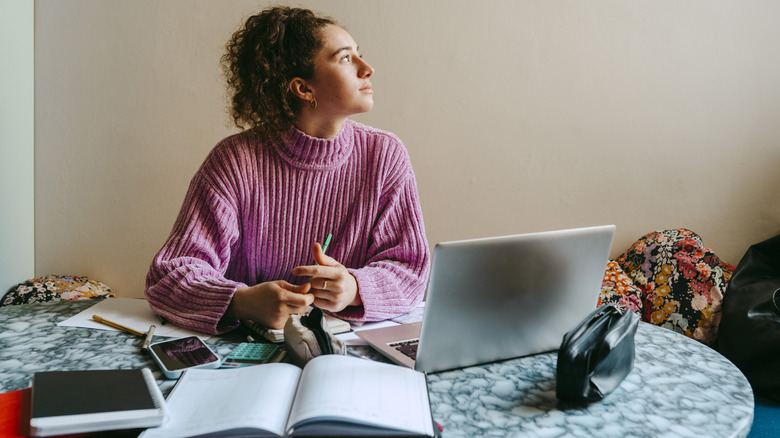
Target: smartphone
176,355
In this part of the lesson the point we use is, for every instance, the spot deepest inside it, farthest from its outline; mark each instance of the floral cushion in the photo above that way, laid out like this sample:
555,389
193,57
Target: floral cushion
55,288
678,281
619,291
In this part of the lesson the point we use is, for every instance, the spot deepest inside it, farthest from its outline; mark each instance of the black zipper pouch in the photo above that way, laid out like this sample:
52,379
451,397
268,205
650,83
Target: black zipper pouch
596,356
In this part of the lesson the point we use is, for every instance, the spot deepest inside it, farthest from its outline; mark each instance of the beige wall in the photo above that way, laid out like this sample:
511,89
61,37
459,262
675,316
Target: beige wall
17,257
519,117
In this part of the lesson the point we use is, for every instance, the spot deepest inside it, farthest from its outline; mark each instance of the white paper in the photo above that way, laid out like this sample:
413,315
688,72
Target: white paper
129,312
352,339
416,315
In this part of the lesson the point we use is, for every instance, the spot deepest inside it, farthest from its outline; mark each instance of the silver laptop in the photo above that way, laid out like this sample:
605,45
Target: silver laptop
500,297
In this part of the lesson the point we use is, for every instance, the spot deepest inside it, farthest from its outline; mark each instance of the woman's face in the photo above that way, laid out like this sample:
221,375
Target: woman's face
341,82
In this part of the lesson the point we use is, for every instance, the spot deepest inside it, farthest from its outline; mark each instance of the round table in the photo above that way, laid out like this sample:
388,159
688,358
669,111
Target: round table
678,387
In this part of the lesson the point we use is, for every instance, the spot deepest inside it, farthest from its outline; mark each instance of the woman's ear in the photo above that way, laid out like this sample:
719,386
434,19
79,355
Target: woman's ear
301,89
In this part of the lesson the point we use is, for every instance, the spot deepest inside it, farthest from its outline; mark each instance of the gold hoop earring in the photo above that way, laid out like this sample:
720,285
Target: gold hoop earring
313,103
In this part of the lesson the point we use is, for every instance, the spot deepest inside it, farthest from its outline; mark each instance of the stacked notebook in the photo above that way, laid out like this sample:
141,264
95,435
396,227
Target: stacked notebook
335,325
69,402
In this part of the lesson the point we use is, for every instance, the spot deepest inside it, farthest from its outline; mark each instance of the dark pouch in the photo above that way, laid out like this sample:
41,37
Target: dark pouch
315,322
307,336
596,355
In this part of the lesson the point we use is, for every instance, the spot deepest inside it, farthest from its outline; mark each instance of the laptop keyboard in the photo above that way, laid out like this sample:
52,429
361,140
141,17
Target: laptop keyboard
408,348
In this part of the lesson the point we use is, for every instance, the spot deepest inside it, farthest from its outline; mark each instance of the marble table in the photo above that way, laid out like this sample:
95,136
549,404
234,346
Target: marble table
678,388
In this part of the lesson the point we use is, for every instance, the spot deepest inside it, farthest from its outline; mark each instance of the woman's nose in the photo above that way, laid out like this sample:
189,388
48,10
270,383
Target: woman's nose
366,70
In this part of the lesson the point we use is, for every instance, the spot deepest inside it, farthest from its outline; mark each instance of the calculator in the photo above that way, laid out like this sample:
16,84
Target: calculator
251,353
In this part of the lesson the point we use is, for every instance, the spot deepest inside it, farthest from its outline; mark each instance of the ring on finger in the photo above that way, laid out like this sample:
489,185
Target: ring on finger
325,285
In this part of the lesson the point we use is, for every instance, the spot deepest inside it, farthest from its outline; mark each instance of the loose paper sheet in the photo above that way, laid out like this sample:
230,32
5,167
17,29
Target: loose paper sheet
129,312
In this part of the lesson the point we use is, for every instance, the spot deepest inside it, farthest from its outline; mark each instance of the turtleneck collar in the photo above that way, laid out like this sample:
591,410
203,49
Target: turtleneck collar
312,153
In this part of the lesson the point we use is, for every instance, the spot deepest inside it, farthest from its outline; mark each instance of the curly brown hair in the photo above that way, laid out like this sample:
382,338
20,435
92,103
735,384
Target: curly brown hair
271,49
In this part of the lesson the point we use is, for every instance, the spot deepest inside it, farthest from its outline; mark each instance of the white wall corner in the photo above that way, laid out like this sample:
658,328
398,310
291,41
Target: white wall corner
17,142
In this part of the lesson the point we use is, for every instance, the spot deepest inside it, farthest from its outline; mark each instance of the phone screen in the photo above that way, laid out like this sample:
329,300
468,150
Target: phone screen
183,353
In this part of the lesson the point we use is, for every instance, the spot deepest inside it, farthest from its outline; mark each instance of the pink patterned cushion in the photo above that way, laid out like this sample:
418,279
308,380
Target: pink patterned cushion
55,288
619,291
679,282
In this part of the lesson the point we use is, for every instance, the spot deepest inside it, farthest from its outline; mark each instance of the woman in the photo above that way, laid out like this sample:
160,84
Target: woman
244,244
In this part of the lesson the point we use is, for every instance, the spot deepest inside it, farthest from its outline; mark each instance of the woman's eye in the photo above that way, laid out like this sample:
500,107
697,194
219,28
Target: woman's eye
346,58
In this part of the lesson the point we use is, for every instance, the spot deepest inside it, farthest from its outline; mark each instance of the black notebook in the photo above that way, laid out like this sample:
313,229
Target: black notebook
66,402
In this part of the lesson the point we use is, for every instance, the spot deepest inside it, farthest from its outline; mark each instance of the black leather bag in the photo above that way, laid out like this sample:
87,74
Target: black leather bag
597,355
749,332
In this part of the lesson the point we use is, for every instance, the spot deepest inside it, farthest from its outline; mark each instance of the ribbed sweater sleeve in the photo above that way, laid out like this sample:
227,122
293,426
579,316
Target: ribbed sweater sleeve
186,283
393,280
253,211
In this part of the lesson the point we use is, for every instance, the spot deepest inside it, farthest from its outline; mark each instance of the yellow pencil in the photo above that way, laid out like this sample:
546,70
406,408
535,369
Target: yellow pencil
117,325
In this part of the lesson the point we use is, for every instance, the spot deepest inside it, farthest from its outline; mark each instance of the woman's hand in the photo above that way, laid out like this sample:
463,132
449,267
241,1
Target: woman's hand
333,287
270,304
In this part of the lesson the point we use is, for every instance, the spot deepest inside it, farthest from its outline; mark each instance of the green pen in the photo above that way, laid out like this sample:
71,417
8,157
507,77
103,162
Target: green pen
327,242
324,247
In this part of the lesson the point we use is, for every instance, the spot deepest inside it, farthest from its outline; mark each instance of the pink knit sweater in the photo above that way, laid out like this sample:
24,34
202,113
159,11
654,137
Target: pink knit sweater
253,211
